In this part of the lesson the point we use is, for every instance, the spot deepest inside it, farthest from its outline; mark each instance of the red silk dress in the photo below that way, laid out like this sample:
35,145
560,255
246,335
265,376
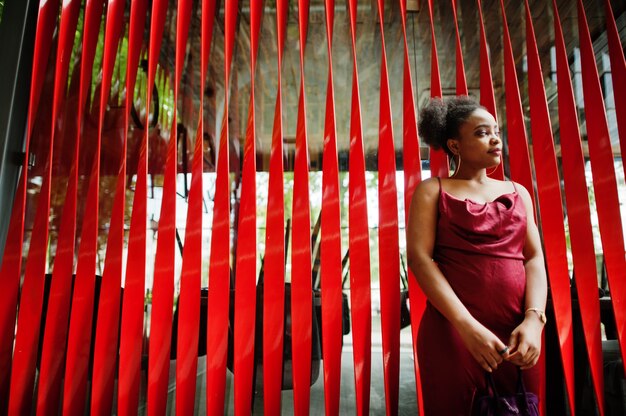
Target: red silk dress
478,248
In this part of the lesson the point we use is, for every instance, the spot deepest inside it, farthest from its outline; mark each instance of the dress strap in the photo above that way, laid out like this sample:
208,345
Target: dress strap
514,187
441,204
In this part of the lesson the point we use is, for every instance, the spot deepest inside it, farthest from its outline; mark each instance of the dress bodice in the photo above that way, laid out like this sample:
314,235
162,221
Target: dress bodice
496,228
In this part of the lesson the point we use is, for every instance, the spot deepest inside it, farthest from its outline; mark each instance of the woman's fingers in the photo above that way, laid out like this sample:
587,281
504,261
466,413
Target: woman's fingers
493,362
513,340
493,358
533,357
516,359
485,365
525,342
531,364
502,350
495,355
526,356
522,348
489,364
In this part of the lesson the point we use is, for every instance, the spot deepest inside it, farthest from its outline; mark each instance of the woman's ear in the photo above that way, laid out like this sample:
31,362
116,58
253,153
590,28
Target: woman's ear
453,145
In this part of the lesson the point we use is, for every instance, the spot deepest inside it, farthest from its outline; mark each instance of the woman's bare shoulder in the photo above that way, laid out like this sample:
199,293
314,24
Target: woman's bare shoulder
525,195
521,189
428,187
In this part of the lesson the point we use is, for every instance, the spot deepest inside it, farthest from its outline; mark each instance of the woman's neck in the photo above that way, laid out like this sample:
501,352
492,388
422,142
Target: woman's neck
471,175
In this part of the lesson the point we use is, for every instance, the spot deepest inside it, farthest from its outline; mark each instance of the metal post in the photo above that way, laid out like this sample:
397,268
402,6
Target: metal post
17,31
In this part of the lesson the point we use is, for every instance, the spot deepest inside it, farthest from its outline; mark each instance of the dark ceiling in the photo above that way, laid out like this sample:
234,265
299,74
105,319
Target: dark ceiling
369,60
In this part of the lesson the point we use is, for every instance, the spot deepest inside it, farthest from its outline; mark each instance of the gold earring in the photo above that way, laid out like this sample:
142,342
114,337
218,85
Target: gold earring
494,169
458,164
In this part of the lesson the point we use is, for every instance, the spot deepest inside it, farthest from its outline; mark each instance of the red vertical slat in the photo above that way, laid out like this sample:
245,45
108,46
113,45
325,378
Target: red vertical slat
131,322
10,270
388,246
551,210
604,181
301,300
301,287
48,14
435,79
131,332
108,321
358,229
330,246
487,96
219,268
55,335
163,289
412,177
461,81
519,158
190,280
618,75
274,260
438,158
28,323
245,280
579,215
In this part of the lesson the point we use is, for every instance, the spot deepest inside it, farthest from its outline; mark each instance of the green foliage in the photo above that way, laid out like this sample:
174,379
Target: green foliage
162,82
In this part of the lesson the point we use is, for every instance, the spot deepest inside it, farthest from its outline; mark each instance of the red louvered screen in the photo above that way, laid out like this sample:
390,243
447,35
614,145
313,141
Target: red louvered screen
438,158
358,245
331,240
550,209
58,360
54,343
106,337
604,180
131,331
163,287
301,286
245,279
219,268
487,95
31,299
412,177
618,75
388,245
274,260
189,299
579,217
461,80
79,336
10,270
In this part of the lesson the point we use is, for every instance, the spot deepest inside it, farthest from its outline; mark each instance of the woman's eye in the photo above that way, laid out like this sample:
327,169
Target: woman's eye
481,132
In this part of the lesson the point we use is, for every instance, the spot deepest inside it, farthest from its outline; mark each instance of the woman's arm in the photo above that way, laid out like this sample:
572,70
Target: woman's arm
421,231
525,342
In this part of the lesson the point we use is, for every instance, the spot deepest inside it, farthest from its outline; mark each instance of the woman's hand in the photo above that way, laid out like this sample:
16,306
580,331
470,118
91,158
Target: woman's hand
484,346
525,343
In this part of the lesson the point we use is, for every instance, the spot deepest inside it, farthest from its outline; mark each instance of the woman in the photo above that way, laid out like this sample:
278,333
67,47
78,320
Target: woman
475,251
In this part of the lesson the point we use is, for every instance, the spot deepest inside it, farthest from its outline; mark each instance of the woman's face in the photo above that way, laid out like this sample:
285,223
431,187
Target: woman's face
479,143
